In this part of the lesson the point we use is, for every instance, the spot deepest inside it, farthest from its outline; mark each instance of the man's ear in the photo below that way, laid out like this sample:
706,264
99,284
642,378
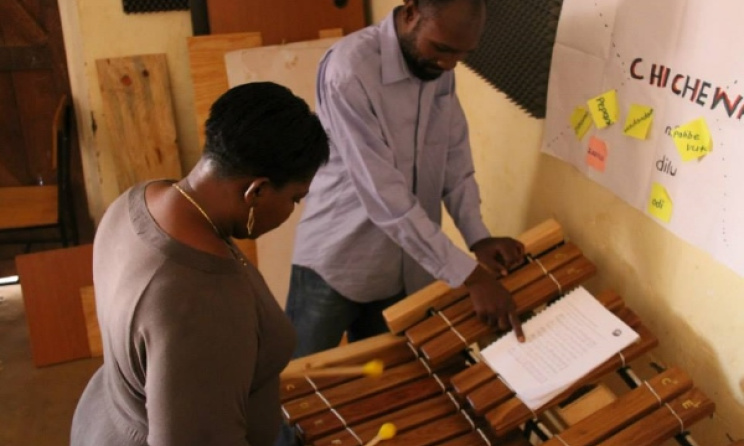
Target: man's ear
410,10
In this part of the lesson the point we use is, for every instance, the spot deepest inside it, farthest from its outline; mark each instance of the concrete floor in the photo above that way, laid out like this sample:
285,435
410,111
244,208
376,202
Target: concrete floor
36,404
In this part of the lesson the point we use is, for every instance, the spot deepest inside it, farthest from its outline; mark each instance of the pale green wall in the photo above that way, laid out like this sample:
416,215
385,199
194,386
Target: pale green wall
692,303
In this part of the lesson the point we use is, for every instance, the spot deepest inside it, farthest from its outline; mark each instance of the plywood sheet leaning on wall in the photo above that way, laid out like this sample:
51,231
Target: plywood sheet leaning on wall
293,65
92,329
209,78
138,108
208,74
51,282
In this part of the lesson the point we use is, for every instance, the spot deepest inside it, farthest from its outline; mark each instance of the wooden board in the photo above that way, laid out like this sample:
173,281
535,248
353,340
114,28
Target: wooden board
209,78
293,65
414,307
33,75
207,64
330,32
284,21
88,301
28,206
353,353
139,115
595,399
51,282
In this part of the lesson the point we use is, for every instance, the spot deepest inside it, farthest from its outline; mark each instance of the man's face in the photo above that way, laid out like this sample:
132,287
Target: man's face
433,43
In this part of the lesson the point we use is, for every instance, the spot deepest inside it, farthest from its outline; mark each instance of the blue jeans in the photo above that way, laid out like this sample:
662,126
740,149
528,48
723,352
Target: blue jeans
321,316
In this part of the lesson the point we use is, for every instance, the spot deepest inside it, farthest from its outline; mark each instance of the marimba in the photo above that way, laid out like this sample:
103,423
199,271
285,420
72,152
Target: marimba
437,392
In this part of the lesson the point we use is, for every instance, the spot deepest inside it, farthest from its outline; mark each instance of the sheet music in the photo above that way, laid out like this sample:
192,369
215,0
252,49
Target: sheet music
566,341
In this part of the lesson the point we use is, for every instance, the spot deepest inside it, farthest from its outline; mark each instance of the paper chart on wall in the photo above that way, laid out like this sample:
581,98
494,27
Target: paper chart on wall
647,99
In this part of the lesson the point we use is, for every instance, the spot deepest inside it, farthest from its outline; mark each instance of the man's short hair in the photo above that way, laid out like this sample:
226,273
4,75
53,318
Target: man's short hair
431,8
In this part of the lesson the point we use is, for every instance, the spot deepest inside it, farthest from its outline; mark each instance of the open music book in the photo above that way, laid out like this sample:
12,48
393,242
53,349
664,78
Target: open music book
565,341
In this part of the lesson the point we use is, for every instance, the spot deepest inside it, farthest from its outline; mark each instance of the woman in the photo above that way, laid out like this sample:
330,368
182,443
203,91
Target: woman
193,339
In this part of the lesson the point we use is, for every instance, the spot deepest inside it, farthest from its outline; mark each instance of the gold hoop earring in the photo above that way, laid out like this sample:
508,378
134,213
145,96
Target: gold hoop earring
251,221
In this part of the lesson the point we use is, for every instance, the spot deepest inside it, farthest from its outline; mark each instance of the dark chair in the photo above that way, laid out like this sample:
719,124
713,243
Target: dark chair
27,210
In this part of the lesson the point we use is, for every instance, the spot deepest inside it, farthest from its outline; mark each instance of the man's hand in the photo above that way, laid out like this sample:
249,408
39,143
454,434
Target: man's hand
499,254
492,302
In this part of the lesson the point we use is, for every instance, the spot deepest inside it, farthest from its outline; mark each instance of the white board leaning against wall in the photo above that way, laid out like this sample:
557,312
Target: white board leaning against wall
293,65
646,98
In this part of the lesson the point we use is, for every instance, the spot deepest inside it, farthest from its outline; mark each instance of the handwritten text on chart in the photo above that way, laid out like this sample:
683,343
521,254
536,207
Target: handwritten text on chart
693,139
659,204
596,154
638,122
604,109
581,122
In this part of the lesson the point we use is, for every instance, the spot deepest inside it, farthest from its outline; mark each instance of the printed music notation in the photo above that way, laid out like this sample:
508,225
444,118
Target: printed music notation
565,341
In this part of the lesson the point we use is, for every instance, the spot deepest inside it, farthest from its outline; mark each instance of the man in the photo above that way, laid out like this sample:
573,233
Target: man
370,233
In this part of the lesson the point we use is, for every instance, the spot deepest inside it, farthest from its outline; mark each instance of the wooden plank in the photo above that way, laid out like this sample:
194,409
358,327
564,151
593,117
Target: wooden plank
7,178
18,58
51,282
414,307
513,283
356,352
292,388
139,115
515,438
331,32
209,79
471,378
208,74
410,417
36,99
12,160
360,410
28,206
448,343
27,45
541,237
587,404
284,21
292,65
88,300
25,29
437,432
345,393
664,423
625,410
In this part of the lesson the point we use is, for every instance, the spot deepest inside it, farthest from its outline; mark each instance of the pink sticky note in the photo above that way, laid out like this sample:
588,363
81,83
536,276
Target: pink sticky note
596,155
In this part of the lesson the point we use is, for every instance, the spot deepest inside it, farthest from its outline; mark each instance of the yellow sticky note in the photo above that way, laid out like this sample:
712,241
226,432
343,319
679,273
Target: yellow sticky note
581,122
660,205
596,155
638,122
604,109
693,139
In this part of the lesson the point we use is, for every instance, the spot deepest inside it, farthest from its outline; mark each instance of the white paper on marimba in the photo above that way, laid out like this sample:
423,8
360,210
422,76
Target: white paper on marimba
565,342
